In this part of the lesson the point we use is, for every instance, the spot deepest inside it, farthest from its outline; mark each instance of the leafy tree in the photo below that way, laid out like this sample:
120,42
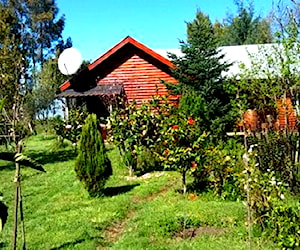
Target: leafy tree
183,145
31,35
200,75
273,72
244,27
92,166
45,28
11,55
40,101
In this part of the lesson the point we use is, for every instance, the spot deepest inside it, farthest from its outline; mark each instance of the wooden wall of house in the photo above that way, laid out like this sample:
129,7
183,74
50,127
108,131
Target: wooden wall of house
286,114
139,78
286,118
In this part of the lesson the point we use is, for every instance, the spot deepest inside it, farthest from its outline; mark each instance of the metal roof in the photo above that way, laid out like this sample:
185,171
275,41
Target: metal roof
244,54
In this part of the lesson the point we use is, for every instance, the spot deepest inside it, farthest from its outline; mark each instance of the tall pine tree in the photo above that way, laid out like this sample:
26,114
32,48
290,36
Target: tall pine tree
200,75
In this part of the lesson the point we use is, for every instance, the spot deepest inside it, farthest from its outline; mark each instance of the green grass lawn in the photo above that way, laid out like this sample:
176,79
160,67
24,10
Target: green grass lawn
146,212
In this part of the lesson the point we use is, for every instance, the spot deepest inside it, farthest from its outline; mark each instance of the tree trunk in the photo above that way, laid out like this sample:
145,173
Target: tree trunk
184,182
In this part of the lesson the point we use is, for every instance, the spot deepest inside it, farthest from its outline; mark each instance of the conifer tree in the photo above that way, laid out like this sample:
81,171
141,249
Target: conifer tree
92,166
200,75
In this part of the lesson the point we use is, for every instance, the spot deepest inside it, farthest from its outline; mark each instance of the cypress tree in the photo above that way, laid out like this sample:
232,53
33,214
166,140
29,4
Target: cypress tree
92,165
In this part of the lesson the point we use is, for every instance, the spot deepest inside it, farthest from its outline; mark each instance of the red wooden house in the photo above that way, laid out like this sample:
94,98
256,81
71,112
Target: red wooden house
134,71
128,69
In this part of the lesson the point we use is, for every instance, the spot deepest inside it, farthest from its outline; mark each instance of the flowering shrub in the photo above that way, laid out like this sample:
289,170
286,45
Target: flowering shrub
269,204
159,130
136,132
277,152
71,128
183,145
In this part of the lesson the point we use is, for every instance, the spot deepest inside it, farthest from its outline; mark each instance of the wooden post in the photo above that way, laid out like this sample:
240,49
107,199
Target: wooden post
18,203
16,206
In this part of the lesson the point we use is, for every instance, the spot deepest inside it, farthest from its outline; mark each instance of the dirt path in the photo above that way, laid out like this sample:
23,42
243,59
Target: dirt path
114,232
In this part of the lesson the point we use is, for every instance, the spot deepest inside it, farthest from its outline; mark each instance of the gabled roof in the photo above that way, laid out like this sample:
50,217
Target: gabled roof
127,41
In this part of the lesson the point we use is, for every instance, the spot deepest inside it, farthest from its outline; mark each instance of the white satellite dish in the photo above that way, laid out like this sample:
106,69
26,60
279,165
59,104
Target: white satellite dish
69,61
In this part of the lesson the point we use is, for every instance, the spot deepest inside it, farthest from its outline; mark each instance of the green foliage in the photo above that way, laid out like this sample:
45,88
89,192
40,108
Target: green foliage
10,54
277,153
200,73
136,131
44,27
146,161
92,166
243,27
221,170
42,98
155,132
270,204
182,145
71,128
283,223
30,32
273,74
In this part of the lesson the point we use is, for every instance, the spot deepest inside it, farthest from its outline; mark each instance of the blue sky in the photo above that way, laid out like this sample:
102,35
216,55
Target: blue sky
97,25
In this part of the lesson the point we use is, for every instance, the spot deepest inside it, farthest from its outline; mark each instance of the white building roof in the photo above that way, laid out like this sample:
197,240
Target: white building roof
241,54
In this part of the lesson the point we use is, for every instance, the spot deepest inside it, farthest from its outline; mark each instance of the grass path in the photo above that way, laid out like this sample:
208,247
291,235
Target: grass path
139,213
115,231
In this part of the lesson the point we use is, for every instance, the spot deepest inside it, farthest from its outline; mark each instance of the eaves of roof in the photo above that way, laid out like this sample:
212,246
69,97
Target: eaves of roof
126,41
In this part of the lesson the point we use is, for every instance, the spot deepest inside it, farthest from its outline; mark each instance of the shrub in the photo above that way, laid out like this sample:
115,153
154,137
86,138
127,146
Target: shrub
277,152
221,170
71,128
182,145
284,224
270,205
92,165
135,130
147,161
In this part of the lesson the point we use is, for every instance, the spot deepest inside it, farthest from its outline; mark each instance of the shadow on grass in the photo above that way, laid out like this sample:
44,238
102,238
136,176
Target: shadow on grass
73,243
112,191
7,165
52,156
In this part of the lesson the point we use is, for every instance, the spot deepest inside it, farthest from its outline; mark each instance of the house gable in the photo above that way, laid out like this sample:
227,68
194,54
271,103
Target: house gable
130,63
141,79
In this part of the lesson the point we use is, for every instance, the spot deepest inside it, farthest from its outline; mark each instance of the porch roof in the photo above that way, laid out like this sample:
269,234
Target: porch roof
99,90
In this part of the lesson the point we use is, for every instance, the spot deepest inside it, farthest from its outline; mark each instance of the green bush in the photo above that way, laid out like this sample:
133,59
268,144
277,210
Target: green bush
92,165
283,224
272,204
220,171
147,161
135,130
276,151
71,128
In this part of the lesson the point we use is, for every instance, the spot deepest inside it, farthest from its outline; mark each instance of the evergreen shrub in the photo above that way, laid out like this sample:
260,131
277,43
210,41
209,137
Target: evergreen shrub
92,166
